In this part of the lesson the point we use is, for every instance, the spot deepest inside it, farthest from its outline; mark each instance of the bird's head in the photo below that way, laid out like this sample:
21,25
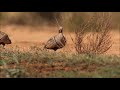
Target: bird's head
60,29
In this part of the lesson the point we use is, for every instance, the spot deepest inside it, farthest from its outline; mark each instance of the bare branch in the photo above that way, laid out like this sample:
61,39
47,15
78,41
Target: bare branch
99,40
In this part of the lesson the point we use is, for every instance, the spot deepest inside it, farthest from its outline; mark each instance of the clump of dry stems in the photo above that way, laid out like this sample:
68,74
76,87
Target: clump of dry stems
98,41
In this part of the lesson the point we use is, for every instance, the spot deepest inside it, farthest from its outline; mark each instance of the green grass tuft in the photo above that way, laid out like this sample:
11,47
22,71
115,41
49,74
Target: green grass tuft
38,63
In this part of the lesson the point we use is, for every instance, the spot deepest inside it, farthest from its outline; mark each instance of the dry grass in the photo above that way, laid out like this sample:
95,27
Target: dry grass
28,37
25,57
99,41
39,63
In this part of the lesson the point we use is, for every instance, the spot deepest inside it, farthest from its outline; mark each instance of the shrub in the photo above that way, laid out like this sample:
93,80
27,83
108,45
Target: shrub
98,41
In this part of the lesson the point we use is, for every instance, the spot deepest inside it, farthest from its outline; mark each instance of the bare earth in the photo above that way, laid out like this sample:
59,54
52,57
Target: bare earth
24,37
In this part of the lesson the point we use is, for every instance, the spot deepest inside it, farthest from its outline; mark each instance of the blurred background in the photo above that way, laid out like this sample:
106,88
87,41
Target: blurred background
35,28
35,19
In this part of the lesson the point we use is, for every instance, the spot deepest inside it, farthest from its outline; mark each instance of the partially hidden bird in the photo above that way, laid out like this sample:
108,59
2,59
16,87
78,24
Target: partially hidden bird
4,39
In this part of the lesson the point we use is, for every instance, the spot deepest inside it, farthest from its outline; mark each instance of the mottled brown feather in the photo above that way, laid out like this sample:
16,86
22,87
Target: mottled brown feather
56,42
4,39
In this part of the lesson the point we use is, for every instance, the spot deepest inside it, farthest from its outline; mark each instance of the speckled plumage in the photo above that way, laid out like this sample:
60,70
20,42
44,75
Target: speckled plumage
4,39
57,41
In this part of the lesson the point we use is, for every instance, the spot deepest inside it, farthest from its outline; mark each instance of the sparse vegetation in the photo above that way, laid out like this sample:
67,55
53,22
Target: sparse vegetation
41,63
98,41
91,42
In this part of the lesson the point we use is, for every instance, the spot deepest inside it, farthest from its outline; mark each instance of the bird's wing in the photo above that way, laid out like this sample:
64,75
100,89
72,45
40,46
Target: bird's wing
50,43
60,41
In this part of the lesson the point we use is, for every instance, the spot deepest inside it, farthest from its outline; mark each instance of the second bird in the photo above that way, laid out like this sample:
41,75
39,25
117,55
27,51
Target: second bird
4,39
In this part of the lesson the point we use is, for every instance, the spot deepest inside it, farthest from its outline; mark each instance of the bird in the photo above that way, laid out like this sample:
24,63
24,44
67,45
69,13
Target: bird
56,42
4,39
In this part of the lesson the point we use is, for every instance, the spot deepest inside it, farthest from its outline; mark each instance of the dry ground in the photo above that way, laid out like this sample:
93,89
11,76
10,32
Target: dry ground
24,37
